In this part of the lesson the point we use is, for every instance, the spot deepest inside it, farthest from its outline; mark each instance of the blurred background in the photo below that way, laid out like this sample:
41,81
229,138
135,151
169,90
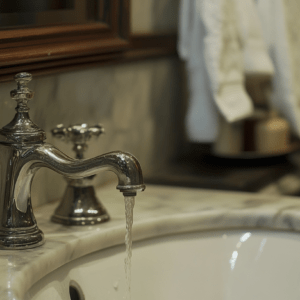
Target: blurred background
203,92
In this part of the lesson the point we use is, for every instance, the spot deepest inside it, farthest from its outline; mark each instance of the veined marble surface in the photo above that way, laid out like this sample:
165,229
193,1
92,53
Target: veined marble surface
158,211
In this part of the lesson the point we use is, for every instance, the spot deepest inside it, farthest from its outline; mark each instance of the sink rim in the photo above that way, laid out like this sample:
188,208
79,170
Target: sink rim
159,211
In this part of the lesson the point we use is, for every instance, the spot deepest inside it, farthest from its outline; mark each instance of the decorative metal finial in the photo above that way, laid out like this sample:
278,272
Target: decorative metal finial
21,129
22,94
78,134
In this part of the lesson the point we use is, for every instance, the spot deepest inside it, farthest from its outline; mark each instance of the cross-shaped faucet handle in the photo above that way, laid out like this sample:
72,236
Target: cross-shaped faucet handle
78,134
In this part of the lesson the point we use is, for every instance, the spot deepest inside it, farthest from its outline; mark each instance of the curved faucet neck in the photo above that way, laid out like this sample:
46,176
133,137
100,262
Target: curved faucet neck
18,167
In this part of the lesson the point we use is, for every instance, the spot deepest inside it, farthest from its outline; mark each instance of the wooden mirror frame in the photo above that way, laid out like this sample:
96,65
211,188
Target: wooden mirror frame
65,46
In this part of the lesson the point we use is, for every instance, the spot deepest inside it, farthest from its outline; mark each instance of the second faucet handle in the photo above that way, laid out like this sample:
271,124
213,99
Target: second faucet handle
78,134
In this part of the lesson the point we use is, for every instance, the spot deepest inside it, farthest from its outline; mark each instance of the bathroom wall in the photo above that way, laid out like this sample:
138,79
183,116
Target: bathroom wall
150,16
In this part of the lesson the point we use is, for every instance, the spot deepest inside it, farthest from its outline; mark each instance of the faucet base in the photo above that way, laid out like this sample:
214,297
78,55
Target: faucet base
20,238
80,206
80,221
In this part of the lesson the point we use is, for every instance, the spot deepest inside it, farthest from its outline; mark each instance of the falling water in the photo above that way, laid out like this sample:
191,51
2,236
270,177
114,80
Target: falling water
129,204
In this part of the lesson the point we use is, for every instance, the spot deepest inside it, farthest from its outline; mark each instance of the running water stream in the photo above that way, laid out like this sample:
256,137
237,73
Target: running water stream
129,204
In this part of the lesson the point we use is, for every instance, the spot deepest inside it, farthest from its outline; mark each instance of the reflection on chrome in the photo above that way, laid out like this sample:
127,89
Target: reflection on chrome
92,211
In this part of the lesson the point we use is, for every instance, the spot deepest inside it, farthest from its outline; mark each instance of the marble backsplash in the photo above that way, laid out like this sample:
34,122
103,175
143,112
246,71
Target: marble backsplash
135,102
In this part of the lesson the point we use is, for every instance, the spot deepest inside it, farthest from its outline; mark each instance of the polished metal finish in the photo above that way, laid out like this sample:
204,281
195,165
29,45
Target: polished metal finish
78,134
79,205
23,152
21,129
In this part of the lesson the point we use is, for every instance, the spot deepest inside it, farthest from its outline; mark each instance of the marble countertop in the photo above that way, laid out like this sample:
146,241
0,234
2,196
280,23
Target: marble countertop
158,211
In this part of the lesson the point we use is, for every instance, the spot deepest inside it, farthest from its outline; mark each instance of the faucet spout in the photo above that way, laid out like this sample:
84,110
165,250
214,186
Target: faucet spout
124,165
18,165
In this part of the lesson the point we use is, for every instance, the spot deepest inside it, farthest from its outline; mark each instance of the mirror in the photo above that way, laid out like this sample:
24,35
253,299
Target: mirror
17,14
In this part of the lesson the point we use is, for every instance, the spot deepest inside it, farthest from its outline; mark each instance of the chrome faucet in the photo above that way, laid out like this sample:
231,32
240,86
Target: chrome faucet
23,152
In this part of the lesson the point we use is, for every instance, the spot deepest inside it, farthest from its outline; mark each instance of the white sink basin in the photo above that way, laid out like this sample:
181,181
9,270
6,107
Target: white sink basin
214,265
188,244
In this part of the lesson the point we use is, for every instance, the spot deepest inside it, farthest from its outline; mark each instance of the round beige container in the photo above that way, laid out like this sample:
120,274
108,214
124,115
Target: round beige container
272,135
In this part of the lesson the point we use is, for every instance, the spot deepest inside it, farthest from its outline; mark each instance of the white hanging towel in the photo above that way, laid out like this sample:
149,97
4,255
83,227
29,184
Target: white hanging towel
212,43
281,28
202,115
255,51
